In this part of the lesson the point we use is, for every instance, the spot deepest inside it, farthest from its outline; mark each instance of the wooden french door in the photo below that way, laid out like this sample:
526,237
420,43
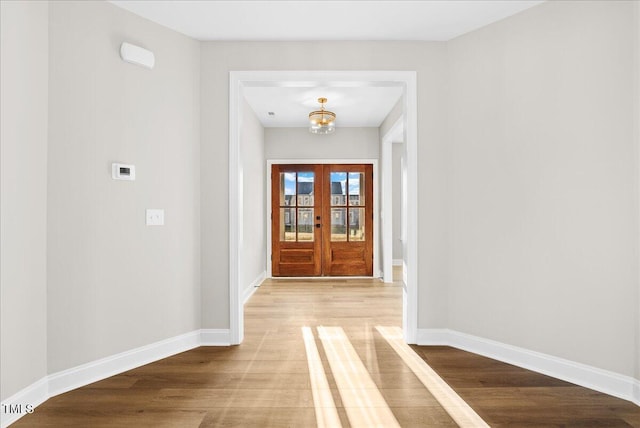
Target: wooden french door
322,220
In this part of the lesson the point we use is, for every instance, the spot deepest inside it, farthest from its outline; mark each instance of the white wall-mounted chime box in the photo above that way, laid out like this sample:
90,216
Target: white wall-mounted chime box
120,171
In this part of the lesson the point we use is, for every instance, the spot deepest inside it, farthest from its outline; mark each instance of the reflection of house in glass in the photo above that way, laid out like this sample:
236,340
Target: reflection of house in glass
303,198
338,220
304,195
298,220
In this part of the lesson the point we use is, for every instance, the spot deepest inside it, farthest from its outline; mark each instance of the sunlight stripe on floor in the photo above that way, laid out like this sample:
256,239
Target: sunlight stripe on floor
326,412
363,402
455,406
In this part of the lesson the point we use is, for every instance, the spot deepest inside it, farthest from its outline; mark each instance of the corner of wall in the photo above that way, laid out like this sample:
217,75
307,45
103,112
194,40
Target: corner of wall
605,381
24,92
636,116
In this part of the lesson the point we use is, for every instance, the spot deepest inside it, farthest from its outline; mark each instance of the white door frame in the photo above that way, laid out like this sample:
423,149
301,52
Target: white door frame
394,135
240,79
376,217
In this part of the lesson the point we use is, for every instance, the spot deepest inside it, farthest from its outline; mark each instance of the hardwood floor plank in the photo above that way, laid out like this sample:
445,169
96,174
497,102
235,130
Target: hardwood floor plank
260,417
265,382
207,398
507,396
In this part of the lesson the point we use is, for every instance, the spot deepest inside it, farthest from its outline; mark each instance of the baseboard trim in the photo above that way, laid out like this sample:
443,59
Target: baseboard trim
94,371
23,402
215,337
103,368
253,287
610,383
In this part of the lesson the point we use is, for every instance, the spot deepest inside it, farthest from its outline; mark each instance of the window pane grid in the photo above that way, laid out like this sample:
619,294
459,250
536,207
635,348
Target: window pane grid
297,200
347,193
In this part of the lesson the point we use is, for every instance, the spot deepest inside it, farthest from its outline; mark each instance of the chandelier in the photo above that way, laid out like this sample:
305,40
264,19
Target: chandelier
321,121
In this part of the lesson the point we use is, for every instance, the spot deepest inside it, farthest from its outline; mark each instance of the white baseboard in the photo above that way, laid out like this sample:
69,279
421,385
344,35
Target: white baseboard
397,262
215,337
103,368
23,402
253,287
611,383
85,374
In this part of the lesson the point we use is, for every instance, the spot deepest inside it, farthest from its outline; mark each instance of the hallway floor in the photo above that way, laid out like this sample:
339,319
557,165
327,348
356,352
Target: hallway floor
327,353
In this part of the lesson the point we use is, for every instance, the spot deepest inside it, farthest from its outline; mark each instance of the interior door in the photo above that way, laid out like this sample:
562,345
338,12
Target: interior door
296,209
322,220
348,225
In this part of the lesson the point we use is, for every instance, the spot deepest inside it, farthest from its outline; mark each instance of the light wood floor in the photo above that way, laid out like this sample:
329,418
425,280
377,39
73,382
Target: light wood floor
266,382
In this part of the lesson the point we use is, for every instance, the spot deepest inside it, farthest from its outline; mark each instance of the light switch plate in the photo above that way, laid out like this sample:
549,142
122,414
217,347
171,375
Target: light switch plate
155,217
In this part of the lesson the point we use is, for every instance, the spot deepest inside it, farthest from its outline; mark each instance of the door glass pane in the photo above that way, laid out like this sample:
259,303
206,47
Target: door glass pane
305,224
356,224
338,188
356,188
288,224
305,189
338,224
287,188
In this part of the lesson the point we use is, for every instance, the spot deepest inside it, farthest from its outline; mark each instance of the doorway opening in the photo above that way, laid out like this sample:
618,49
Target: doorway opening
322,220
243,80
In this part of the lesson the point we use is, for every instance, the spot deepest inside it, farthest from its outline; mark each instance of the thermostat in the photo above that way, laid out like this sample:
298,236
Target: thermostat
120,171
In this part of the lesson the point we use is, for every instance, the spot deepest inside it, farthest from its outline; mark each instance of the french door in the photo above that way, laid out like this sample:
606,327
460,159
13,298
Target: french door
322,220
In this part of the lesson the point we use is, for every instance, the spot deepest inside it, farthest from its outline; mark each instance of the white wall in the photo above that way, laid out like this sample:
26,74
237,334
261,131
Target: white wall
528,180
392,117
428,59
543,250
252,147
114,283
23,136
397,151
299,143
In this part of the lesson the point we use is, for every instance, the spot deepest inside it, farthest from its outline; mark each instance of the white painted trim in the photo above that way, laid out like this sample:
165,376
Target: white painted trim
397,262
236,308
608,382
376,219
386,190
410,255
33,395
103,368
253,287
94,371
386,209
215,337
280,78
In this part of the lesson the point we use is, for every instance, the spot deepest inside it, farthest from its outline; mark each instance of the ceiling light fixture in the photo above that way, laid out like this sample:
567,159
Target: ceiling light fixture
322,121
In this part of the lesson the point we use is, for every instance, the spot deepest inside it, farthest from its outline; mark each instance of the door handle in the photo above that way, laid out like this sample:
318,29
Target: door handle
317,224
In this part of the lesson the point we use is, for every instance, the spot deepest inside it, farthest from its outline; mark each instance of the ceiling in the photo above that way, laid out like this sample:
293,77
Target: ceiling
324,20
356,106
361,106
